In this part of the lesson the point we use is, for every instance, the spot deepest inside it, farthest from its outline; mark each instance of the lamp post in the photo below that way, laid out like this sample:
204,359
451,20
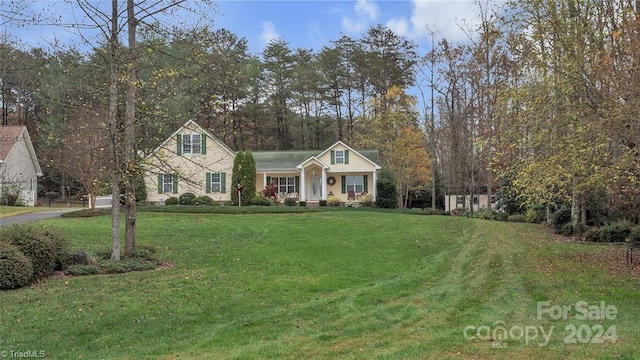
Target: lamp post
239,190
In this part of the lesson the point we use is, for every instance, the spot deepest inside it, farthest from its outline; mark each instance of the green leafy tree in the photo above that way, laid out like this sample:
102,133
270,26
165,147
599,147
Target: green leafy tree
248,177
386,192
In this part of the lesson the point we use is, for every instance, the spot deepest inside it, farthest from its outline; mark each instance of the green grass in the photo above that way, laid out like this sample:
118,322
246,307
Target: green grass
321,285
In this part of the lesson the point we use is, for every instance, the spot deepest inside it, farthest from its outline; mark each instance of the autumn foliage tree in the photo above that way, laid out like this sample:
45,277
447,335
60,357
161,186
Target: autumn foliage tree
394,131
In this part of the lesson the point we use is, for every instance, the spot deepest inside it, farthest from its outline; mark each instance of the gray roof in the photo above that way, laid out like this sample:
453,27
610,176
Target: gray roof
289,159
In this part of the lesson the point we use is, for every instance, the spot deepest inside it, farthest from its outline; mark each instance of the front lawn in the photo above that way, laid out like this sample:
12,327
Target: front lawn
325,285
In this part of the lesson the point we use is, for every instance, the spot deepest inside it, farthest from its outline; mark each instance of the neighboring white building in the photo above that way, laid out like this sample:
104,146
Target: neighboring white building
479,200
19,167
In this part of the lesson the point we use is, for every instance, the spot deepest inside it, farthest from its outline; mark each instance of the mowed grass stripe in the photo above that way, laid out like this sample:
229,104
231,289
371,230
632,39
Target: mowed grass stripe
344,284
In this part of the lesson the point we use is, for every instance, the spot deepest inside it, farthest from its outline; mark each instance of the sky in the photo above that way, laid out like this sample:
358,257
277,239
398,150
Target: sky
313,24
309,24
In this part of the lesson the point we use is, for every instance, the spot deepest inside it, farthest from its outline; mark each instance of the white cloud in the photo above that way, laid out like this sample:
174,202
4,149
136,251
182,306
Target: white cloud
446,18
366,11
443,17
352,26
400,26
269,32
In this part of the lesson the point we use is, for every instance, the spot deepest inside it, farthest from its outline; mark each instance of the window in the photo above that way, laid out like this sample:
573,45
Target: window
191,143
459,200
216,182
167,183
340,157
354,183
286,185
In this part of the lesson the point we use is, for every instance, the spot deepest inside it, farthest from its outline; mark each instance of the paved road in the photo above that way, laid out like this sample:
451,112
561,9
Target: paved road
25,218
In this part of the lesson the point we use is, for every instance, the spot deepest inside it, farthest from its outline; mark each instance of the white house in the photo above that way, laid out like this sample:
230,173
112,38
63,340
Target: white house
19,167
193,160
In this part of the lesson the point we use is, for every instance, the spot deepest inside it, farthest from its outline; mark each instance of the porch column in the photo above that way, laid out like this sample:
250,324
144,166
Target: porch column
303,186
264,179
374,178
323,195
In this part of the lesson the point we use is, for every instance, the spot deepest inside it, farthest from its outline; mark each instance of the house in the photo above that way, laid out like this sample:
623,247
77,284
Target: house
19,167
460,198
193,160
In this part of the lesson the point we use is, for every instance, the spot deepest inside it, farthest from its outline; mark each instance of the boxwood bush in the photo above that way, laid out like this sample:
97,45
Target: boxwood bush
203,200
16,270
186,199
171,201
290,202
615,231
259,200
46,248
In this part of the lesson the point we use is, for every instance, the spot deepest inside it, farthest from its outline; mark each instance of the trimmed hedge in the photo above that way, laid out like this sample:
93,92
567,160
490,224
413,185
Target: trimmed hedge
16,270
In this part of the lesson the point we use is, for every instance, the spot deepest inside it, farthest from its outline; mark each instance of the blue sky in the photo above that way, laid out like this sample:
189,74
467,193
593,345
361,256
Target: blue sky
313,24
302,23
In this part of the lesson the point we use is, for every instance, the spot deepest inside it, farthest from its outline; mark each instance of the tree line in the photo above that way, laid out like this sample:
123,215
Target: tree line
537,107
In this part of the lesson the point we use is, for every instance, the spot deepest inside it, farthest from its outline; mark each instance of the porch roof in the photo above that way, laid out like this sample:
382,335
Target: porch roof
290,159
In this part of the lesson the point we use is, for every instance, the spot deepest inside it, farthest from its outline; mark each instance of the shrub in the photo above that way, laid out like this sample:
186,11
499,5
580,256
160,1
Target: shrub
516,218
104,254
60,245
333,201
290,202
16,270
489,214
126,265
593,234
560,218
171,201
536,214
566,229
635,234
302,203
260,200
203,200
366,200
322,203
145,252
46,251
186,199
82,270
615,231
386,191
459,212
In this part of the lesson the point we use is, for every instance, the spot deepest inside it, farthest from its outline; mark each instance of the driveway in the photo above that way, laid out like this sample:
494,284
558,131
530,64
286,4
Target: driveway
25,218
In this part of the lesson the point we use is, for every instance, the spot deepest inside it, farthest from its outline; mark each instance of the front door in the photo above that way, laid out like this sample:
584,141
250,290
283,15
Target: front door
314,194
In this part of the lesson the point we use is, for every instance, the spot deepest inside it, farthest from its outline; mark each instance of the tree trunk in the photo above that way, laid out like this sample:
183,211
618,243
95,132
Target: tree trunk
131,172
575,210
114,129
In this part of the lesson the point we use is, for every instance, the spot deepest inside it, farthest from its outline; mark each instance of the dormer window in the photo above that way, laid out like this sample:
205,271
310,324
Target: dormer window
339,156
192,144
